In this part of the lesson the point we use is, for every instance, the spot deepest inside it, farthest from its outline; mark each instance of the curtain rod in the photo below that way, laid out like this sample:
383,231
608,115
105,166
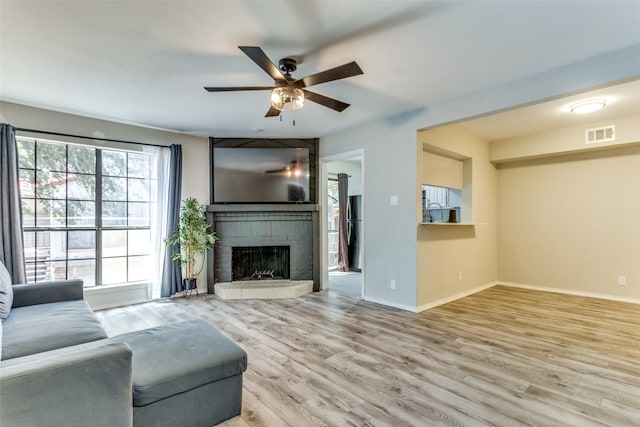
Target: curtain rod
86,137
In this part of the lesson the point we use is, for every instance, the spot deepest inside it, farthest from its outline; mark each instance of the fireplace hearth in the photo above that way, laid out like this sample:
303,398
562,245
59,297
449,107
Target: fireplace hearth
260,263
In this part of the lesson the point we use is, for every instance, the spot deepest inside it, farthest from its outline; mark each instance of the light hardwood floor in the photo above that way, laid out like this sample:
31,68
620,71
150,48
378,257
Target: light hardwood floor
503,357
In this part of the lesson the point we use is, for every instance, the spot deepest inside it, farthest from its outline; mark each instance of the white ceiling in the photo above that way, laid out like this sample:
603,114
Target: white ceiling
622,100
146,62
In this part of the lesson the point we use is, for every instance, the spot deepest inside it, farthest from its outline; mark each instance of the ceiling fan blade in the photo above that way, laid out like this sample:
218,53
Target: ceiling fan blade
233,89
273,112
342,72
258,56
325,101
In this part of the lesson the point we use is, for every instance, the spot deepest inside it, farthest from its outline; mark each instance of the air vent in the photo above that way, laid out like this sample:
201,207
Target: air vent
603,134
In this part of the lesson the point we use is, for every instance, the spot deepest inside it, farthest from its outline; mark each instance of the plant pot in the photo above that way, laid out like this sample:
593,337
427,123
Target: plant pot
189,284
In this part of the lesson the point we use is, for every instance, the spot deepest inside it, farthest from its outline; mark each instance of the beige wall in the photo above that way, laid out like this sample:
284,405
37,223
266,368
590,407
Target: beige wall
441,171
564,141
443,252
570,221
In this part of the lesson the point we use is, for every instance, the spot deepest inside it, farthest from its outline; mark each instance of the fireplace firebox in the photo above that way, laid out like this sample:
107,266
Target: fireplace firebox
260,262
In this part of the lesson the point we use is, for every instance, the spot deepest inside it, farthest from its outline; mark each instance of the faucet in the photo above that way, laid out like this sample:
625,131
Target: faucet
441,211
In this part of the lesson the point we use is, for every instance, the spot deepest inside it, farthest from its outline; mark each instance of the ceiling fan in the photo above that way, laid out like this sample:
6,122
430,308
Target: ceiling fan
289,94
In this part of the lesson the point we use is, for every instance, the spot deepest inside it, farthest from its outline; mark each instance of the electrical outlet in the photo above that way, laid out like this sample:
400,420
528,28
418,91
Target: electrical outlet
392,284
394,200
622,281
459,275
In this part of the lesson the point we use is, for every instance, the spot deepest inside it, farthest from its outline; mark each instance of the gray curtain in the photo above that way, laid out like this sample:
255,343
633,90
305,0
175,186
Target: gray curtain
343,203
11,240
172,273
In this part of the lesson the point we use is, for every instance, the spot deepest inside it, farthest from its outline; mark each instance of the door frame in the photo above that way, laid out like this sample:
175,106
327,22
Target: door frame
324,229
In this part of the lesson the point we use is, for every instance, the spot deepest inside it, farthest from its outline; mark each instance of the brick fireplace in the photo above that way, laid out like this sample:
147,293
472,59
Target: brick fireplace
257,231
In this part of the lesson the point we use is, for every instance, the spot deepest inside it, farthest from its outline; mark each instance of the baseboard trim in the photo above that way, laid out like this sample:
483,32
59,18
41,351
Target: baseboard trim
390,304
569,292
455,297
103,297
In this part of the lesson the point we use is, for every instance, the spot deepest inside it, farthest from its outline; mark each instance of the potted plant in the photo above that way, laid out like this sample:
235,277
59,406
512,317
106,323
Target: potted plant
194,237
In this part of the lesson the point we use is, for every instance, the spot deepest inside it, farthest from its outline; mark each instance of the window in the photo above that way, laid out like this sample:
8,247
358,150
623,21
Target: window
86,212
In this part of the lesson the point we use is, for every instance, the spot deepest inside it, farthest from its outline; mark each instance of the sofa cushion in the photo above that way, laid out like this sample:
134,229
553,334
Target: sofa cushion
42,327
6,292
172,359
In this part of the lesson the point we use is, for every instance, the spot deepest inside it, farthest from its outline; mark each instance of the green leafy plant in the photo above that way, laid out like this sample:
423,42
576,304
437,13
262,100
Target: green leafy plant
193,236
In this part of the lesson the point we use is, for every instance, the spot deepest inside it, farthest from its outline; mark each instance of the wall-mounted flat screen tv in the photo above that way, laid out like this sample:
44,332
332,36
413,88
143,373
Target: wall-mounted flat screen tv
260,175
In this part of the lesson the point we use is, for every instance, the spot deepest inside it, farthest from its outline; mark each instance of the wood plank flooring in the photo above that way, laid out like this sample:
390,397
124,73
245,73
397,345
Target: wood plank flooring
502,357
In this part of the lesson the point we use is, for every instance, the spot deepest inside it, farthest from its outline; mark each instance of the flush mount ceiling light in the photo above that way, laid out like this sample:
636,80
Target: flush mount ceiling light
588,106
287,98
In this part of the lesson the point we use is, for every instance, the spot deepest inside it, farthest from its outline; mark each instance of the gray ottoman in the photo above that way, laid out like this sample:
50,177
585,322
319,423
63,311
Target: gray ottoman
185,374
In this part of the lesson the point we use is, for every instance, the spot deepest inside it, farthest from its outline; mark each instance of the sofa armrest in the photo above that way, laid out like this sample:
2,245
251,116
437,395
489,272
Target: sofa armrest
46,292
84,385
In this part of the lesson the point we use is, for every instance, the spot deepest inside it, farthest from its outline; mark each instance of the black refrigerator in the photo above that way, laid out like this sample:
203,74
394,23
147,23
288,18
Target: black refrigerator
354,233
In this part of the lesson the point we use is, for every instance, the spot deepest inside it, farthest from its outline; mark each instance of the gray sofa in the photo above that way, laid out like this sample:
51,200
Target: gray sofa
58,367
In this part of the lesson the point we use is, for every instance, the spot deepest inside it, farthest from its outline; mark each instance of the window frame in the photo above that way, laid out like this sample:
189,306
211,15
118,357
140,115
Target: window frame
37,231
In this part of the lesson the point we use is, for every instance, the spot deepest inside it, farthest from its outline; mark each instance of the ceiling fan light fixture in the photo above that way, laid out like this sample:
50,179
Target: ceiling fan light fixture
287,98
588,106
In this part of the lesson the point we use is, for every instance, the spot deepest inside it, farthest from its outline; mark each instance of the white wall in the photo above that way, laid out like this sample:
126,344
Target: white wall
390,163
389,244
195,171
351,168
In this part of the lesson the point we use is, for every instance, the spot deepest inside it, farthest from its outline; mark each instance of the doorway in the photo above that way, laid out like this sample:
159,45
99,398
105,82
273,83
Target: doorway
343,269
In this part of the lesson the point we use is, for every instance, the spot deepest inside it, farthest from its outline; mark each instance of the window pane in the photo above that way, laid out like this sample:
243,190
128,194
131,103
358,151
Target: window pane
138,190
114,213
82,244
82,159
51,185
51,157
50,213
138,214
114,188
139,242
37,246
114,163
58,270
114,270
31,272
28,212
39,271
84,269
52,245
138,268
82,187
26,153
138,165
27,183
114,243
81,213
